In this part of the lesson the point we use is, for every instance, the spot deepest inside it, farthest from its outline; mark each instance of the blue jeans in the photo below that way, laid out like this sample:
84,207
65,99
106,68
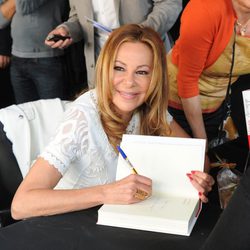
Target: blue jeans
37,78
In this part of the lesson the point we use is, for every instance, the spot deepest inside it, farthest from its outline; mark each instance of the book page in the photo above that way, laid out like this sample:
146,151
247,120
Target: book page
165,160
179,208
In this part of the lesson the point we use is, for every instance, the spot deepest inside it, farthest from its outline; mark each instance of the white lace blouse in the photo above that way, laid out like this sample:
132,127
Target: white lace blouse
80,149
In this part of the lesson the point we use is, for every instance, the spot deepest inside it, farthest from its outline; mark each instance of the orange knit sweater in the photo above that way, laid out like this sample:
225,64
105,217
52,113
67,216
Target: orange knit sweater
206,28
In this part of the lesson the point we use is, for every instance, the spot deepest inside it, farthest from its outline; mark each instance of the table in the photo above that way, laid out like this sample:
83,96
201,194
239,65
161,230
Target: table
78,230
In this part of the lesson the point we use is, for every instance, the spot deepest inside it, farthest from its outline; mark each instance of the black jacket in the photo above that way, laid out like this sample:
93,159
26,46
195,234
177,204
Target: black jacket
5,41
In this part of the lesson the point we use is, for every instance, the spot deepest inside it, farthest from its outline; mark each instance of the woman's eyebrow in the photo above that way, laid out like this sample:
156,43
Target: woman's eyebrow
139,66
118,61
144,65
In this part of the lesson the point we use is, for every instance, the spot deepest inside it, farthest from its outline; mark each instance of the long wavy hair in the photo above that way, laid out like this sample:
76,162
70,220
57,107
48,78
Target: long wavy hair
153,111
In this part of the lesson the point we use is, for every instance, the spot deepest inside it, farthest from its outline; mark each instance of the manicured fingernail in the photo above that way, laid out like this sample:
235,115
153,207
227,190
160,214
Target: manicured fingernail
200,194
193,172
190,177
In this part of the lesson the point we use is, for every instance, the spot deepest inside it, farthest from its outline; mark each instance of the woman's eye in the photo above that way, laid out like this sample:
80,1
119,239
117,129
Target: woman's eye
118,68
142,72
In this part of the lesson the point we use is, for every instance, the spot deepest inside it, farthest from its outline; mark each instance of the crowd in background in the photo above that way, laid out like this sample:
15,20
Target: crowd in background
40,69
49,49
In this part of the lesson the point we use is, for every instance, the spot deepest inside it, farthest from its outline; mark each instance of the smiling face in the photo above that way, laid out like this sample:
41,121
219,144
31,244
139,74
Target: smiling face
131,77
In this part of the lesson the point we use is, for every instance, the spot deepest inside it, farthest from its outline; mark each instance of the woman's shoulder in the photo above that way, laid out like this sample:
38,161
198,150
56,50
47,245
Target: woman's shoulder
207,8
210,4
202,20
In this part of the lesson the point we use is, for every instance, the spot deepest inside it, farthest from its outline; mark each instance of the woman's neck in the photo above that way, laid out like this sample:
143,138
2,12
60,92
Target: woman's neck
242,12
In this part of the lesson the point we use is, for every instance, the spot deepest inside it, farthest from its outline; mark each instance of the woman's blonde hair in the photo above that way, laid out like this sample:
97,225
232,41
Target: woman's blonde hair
153,110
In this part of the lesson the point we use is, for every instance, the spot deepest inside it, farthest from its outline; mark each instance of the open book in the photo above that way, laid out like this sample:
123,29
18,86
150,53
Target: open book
174,205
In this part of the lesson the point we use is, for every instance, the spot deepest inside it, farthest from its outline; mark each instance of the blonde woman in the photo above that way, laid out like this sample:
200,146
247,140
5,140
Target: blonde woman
130,97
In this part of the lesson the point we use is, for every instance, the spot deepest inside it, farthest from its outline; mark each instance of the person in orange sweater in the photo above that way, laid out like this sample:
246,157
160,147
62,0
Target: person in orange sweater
199,63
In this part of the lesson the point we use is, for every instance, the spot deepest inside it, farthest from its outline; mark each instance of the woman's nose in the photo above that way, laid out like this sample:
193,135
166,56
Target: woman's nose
129,79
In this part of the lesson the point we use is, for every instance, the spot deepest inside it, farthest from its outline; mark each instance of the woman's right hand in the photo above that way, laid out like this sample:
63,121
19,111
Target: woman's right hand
128,190
59,44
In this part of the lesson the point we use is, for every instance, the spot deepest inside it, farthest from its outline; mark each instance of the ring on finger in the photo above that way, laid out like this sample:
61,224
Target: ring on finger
140,194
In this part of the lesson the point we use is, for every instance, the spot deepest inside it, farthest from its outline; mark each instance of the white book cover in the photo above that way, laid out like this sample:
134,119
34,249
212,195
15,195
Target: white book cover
246,102
174,205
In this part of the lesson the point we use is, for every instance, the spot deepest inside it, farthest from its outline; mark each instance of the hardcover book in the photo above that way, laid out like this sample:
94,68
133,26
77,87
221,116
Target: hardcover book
246,102
174,205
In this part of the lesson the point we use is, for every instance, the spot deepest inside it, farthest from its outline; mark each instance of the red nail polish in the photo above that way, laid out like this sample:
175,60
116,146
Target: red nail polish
193,172
190,177
200,194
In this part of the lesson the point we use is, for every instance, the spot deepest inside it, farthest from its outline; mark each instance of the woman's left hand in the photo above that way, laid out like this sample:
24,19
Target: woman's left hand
203,182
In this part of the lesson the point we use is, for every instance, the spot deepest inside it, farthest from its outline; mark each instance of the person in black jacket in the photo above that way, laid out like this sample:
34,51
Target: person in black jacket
6,93
7,9
6,99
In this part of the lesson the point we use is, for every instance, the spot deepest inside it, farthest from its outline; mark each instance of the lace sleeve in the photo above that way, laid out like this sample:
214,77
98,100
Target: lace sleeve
69,142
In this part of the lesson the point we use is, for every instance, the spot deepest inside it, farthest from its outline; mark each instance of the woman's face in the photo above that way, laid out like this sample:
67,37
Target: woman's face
132,76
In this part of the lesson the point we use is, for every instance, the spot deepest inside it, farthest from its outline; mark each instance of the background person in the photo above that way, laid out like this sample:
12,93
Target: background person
7,10
37,71
160,15
199,65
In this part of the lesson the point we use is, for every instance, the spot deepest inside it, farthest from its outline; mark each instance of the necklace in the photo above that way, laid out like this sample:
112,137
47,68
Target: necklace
242,28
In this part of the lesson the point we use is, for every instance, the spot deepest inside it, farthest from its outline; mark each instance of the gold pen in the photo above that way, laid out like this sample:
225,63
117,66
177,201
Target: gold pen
139,194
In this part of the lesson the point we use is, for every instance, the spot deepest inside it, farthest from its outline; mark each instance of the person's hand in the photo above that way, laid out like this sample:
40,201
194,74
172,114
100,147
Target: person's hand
59,44
128,190
203,182
4,61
